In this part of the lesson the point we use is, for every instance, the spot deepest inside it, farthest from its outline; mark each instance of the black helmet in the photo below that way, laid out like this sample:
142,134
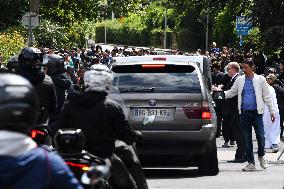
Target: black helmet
18,103
55,64
69,141
13,64
31,57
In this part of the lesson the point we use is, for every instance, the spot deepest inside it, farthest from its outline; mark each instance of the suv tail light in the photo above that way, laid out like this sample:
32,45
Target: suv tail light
154,66
198,112
206,114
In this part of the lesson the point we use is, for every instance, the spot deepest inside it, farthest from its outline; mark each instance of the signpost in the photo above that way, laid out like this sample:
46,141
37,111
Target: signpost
243,25
30,21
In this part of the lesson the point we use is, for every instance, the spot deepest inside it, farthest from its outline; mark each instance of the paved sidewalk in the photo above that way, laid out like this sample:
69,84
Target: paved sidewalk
225,154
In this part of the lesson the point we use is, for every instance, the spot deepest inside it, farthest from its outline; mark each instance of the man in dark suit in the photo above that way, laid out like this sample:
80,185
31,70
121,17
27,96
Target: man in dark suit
217,78
231,118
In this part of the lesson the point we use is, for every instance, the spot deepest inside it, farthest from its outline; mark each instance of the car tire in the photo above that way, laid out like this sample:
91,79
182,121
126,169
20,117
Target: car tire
208,163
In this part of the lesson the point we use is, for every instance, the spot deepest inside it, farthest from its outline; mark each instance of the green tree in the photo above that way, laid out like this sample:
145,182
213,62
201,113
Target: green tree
68,12
12,12
123,7
268,16
10,44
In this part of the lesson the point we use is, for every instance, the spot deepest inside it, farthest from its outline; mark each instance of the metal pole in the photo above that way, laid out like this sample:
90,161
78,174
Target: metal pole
105,23
207,29
241,40
30,32
165,33
105,35
112,15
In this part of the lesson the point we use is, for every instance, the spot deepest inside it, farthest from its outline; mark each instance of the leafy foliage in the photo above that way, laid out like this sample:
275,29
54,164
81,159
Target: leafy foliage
54,35
68,12
123,7
68,23
224,27
10,44
254,40
268,16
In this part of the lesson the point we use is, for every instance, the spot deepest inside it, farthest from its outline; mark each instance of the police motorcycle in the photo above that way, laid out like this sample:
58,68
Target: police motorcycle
69,143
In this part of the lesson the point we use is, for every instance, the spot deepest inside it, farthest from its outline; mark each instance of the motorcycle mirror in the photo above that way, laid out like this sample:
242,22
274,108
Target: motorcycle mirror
218,95
149,119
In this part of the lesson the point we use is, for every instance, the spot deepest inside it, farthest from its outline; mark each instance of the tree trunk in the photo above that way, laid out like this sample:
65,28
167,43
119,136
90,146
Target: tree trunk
34,6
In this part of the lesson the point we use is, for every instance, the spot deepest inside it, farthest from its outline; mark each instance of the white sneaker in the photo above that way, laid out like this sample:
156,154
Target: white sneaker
262,162
249,167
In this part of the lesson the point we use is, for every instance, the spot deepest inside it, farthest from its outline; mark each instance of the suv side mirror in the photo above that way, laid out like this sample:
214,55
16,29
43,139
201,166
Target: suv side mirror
218,95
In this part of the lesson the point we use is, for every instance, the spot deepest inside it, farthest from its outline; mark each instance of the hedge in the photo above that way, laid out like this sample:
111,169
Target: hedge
126,33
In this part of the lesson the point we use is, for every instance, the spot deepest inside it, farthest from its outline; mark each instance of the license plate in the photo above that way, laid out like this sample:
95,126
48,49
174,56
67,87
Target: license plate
158,112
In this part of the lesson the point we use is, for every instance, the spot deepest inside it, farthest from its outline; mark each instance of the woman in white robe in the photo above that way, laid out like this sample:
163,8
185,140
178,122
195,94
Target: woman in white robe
272,130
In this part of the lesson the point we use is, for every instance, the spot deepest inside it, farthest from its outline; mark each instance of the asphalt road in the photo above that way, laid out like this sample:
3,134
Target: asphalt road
230,176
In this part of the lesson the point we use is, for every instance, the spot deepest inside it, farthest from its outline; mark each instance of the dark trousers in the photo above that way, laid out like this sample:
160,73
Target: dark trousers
228,127
281,112
130,159
232,130
219,116
120,177
249,119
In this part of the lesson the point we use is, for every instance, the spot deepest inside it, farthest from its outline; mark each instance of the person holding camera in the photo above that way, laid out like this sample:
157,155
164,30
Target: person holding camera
31,62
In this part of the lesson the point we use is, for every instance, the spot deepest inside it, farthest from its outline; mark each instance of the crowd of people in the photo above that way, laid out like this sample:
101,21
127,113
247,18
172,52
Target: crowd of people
249,79
77,61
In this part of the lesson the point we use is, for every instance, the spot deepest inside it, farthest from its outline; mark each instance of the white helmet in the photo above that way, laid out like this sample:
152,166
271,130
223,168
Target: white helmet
99,78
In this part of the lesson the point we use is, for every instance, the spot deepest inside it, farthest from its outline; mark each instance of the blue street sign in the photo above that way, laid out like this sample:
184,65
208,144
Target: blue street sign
243,25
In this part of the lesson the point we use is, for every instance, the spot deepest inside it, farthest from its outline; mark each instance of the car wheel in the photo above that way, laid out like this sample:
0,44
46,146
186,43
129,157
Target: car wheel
208,163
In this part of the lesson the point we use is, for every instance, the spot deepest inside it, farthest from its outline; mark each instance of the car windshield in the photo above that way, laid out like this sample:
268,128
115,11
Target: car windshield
157,82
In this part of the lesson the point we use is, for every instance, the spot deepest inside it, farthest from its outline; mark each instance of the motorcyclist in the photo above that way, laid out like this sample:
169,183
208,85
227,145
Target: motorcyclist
102,121
22,163
31,67
55,69
13,64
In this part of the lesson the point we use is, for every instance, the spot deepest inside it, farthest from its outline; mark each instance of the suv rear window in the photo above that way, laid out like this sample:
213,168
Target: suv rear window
157,80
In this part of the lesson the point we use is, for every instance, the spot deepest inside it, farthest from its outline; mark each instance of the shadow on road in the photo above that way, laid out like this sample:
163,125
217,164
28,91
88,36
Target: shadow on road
154,173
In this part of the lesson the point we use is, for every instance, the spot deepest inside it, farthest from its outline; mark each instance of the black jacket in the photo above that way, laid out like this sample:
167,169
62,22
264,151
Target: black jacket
101,120
230,106
46,92
281,77
217,78
62,84
279,90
